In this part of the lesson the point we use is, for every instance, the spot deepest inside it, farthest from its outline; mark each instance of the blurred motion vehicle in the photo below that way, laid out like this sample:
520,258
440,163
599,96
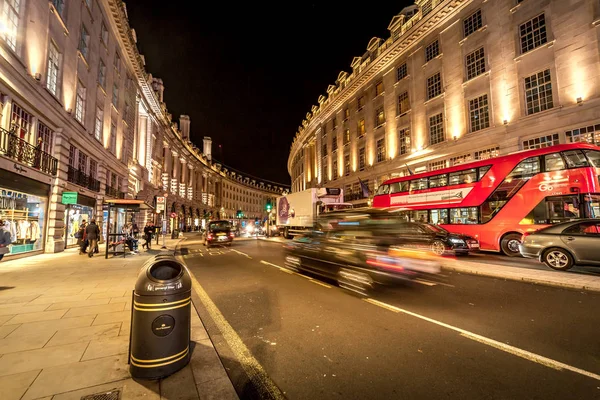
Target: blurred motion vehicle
218,232
496,200
297,212
564,245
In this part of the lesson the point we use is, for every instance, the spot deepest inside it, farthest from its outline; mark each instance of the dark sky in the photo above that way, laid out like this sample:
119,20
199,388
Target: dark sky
248,74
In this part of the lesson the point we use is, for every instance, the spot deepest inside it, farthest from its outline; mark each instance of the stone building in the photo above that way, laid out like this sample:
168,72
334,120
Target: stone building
83,122
457,80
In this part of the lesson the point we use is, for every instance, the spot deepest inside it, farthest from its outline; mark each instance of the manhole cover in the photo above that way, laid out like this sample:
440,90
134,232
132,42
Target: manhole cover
114,394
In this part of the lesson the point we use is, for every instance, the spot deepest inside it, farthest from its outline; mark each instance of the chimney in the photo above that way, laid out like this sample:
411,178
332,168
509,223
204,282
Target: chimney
184,126
207,147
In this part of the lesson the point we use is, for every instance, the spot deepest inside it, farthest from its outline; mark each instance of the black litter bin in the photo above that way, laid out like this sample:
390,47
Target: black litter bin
160,321
174,233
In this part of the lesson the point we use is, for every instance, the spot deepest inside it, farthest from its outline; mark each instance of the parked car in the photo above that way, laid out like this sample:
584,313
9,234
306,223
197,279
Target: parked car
218,232
563,245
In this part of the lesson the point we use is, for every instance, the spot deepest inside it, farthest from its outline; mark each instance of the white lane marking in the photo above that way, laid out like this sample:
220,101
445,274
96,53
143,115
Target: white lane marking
256,373
243,254
295,273
320,283
527,355
426,283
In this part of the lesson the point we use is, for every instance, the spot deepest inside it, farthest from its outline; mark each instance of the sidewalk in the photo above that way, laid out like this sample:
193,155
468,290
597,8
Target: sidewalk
64,332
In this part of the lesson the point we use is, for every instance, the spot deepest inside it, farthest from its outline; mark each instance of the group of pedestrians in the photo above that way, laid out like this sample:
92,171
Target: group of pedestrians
88,236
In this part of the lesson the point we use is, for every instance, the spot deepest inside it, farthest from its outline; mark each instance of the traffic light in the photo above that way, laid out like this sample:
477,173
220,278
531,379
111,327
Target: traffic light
269,206
239,214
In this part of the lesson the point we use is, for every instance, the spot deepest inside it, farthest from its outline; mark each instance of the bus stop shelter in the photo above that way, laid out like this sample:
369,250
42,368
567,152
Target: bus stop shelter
121,212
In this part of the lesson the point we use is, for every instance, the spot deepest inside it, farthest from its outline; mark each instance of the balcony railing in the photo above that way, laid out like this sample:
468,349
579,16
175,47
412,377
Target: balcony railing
111,191
353,196
20,150
80,178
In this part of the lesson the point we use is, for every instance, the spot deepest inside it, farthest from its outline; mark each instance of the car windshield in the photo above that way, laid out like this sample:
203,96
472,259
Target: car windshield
219,225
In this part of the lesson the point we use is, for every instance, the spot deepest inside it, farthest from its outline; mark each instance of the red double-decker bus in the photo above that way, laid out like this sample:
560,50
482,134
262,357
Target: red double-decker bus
499,199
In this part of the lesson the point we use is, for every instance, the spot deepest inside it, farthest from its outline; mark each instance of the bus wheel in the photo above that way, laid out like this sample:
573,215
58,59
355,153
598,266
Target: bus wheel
510,244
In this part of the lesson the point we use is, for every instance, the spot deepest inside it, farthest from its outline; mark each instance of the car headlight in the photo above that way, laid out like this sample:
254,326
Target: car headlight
457,241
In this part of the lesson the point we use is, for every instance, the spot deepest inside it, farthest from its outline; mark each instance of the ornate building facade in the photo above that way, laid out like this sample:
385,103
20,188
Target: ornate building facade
82,122
457,80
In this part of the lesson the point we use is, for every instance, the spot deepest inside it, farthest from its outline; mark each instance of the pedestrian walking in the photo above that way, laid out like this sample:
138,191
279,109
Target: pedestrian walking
81,239
92,235
148,232
5,240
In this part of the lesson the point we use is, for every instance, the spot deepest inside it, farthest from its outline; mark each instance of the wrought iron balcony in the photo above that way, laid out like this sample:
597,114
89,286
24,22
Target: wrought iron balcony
80,178
112,192
20,150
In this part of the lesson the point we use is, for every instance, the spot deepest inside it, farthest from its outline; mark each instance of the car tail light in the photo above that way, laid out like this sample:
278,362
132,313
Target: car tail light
232,234
209,237
524,235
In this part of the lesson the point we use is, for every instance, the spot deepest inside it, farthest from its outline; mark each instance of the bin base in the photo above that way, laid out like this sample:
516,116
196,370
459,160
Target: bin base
158,369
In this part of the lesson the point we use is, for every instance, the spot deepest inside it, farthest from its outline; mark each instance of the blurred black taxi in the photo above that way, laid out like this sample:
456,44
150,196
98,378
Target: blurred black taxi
218,232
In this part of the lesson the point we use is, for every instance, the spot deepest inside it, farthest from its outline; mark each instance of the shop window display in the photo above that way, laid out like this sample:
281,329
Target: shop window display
75,215
23,215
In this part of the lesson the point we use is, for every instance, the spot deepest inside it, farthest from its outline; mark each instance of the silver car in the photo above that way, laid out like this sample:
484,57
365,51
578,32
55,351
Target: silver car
566,244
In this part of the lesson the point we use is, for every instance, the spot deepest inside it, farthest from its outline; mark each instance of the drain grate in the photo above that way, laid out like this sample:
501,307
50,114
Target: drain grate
114,394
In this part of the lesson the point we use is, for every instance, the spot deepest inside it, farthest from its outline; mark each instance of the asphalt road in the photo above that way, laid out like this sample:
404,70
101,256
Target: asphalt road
460,337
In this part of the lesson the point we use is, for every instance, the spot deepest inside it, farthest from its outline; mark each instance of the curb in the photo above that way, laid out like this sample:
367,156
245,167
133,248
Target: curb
539,281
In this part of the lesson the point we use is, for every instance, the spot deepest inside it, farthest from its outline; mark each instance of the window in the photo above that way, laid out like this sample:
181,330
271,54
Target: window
593,157
334,143
104,34
432,51
538,92
553,162
360,102
436,165
53,69
381,150
93,169
80,102
84,42
575,159
115,95
438,180
589,134
465,215
401,72
361,127
403,103
346,137
475,63
59,6
333,123
379,88
346,114
117,64
533,33
540,142
11,15
47,136
487,153
403,141
418,184
434,86
457,160
82,162
324,148
102,74
361,159
472,23
464,176
99,124
72,155
590,228
436,129
478,113
379,117
347,164
113,138
335,168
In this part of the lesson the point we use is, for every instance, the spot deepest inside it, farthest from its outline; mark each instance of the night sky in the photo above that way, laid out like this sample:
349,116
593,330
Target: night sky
248,74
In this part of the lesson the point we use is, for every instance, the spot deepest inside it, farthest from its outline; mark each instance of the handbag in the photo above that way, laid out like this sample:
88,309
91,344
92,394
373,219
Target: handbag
77,235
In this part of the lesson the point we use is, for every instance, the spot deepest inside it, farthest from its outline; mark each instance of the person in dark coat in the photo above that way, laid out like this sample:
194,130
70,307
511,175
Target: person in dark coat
92,235
81,242
148,232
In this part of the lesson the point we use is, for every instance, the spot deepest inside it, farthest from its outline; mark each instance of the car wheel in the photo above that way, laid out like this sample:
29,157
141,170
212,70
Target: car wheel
438,247
510,245
355,281
558,259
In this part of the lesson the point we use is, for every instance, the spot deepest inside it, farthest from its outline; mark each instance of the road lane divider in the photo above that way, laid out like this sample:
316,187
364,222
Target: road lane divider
527,355
241,253
286,270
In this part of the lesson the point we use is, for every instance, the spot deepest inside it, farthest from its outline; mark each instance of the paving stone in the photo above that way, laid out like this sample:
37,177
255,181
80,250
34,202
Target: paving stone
106,347
218,389
130,390
25,342
12,387
73,335
179,386
205,363
53,325
42,358
104,295
75,304
18,299
107,308
119,316
4,318
124,299
49,299
69,377
23,309
94,289
37,316
5,330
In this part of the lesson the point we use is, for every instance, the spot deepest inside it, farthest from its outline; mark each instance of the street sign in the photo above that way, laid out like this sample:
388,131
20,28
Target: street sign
69,198
160,203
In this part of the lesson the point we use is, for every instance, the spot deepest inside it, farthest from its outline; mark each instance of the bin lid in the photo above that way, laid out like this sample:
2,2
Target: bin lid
163,275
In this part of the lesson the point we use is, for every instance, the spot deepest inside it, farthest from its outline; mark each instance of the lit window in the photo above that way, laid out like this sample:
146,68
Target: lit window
346,114
404,141
335,169
434,86
540,142
475,63
379,117
53,69
380,150
334,144
102,74
47,136
346,136
82,162
436,129
538,92
361,127
432,51
487,153
347,164
403,103
436,165
472,23
360,102
533,33
84,42
11,16
401,72
99,124
478,113
589,134
361,159
80,102
113,138
379,88
115,95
